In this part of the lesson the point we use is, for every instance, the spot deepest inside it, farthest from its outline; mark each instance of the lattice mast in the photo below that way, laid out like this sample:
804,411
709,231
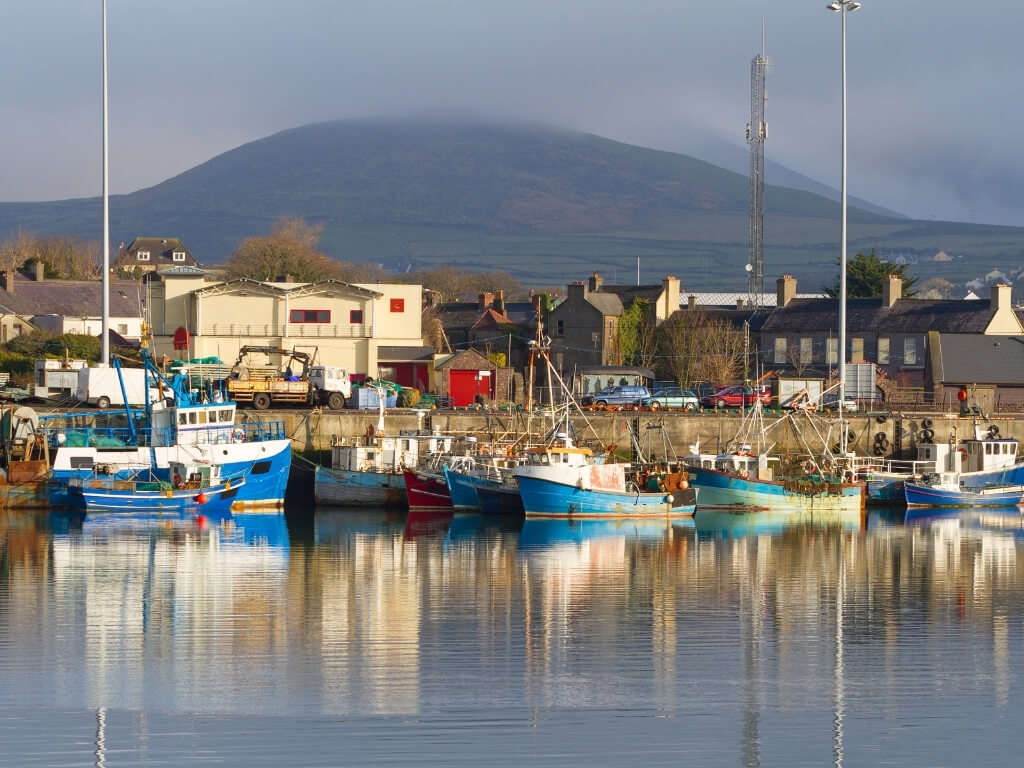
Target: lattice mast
757,132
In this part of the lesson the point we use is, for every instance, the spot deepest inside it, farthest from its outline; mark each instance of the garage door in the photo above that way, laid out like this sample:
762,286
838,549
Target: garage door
464,386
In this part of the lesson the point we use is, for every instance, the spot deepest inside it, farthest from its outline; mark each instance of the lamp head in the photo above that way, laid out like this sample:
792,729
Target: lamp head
835,5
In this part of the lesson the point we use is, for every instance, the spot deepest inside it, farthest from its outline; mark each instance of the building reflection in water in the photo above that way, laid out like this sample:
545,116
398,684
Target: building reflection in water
369,614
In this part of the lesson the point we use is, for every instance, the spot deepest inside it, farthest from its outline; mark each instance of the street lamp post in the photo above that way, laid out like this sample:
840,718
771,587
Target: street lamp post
842,7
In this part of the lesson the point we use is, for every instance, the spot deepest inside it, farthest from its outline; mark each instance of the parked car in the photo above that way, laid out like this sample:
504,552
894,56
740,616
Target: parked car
737,396
831,402
619,395
673,397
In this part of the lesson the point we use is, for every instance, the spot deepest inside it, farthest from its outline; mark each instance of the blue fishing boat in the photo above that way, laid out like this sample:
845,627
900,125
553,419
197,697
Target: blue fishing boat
562,480
185,429
198,488
747,477
501,499
946,489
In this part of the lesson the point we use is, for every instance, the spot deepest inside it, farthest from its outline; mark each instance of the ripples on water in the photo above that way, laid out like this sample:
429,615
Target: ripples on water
366,637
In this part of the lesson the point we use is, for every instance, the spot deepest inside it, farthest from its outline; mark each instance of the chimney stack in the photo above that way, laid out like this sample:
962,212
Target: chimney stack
596,281
484,299
499,301
40,271
785,290
8,280
892,290
691,302
1000,298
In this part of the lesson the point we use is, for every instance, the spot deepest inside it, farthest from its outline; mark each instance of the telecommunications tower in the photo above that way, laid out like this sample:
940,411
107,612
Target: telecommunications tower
757,132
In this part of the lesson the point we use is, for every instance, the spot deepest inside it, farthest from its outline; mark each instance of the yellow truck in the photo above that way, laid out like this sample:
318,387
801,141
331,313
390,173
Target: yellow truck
311,385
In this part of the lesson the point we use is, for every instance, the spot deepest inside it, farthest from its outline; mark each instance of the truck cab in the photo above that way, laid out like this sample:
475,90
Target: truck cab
331,384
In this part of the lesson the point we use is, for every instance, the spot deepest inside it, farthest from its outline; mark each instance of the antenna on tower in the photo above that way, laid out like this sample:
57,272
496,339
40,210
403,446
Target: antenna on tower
757,133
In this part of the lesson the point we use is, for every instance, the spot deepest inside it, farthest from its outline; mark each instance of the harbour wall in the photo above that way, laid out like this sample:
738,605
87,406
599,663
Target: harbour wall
893,435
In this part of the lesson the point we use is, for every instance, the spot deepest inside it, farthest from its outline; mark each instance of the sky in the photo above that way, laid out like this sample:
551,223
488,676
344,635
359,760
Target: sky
933,91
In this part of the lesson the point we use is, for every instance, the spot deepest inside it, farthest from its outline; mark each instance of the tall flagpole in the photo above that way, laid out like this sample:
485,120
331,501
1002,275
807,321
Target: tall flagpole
105,338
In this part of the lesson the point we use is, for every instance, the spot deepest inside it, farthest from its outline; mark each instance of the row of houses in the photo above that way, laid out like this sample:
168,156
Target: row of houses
480,350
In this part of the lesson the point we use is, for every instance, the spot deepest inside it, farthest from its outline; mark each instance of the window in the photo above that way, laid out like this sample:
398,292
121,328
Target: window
780,350
309,316
806,350
122,328
560,328
178,256
398,305
857,349
355,316
142,256
883,351
833,352
910,351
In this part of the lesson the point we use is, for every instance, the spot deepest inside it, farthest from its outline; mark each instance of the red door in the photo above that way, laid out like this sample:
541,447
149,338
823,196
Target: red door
462,387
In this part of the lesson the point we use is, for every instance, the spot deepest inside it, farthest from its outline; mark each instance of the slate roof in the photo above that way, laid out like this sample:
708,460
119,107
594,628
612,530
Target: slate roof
995,360
606,303
468,359
160,249
867,316
629,293
72,298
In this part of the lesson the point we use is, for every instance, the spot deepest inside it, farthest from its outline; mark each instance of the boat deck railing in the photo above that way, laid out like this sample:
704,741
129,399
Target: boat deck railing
111,437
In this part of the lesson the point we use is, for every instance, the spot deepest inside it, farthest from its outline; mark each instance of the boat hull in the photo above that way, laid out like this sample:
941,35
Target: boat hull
264,464
426,492
928,496
500,499
721,490
347,488
462,488
543,497
112,497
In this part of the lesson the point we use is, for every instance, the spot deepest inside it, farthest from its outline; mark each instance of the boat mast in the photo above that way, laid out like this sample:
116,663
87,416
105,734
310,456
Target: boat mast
105,340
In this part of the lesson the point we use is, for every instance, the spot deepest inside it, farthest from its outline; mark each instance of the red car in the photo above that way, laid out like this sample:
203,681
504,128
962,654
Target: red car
736,397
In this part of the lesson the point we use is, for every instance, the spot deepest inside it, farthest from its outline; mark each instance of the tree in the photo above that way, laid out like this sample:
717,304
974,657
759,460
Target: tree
636,340
290,249
696,346
865,276
938,288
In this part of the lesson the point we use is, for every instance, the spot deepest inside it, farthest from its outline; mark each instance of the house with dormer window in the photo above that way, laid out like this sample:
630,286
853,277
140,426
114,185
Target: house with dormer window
149,254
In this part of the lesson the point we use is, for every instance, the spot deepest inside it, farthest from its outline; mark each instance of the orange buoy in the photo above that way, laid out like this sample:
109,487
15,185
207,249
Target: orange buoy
201,498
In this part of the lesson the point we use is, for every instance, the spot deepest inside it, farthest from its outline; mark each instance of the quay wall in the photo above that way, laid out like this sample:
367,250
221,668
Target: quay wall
314,431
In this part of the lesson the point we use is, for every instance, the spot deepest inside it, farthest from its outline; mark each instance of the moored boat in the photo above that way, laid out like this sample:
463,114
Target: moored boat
501,499
197,487
945,489
371,470
186,429
427,491
562,480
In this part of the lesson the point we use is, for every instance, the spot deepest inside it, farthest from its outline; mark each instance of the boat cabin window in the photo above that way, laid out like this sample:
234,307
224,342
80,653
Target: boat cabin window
545,459
225,415
182,418
192,417
370,455
988,449
202,417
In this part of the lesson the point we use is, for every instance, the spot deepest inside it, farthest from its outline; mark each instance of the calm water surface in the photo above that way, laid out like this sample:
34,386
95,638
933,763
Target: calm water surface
329,637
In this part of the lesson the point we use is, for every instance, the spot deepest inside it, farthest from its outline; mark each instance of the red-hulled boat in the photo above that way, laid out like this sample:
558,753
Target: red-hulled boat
427,491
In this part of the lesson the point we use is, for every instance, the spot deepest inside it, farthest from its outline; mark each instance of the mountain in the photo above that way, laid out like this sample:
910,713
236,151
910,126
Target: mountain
549,205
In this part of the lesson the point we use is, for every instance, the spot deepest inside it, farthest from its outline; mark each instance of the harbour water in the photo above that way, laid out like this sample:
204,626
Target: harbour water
336,637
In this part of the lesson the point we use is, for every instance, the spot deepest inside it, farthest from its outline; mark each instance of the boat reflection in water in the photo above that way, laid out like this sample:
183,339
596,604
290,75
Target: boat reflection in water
541,533
737,525
1007,520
